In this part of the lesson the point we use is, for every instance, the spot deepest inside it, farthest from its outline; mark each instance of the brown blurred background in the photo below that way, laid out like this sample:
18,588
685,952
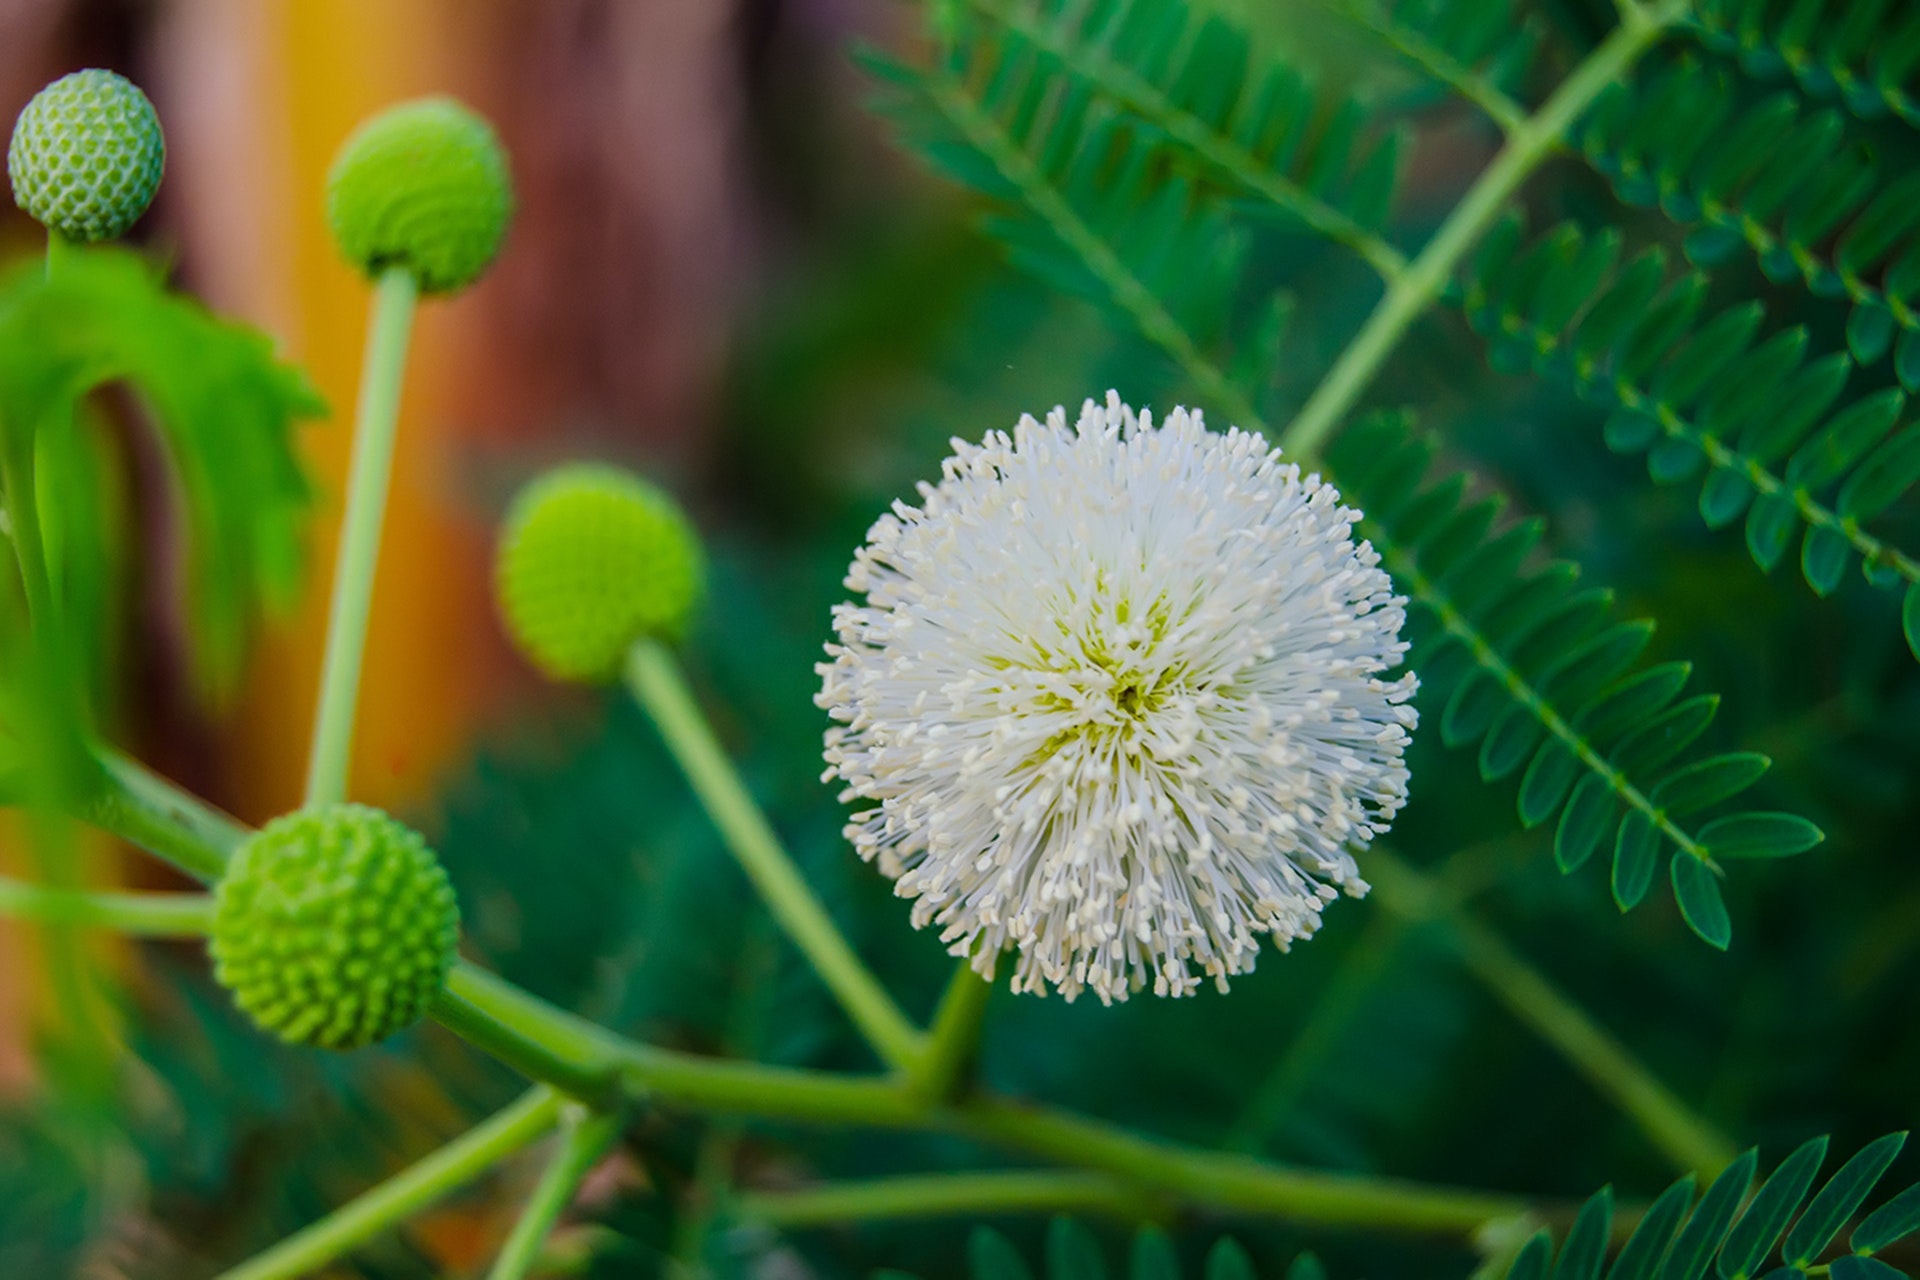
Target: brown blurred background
603,330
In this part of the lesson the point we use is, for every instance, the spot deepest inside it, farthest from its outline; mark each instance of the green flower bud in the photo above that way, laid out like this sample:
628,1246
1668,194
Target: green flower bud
334,927
591,559
423,186
87,155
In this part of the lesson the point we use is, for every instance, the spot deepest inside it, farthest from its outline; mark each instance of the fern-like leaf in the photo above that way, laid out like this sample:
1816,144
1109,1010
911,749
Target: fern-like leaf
1072,1253
1783,183
1763,421
1560,650
1192,86
1866,53
1730,1235
1537,670
1482,50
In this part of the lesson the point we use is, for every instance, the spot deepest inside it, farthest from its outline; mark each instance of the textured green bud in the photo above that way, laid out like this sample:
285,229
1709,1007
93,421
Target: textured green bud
592,559
334,927
423,186
86,156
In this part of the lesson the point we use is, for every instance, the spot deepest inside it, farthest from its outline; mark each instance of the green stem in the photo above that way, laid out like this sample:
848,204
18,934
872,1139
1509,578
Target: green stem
1687,1138
946,1195
1529,142
584,1139
954,1038
535,1037
655,680
353,571
406,1193
145,809
146,915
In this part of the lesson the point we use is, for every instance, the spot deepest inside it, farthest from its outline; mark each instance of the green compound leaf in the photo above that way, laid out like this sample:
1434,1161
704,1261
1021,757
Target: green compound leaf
1649,1241
1759,1228
1765,425
1719,1238
1698,893
1853,1266
1894,1220
225,408
1544,680
1706,1229
1759,835
993,1257
1585,1251
1862,53
1073,1253
1836,1201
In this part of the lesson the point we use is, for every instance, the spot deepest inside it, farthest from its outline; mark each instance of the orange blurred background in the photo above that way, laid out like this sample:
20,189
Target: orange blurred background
600,332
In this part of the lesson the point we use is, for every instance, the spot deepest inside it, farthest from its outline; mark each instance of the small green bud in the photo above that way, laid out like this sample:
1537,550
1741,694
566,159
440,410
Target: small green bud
334,927
86,156
423,186
591,559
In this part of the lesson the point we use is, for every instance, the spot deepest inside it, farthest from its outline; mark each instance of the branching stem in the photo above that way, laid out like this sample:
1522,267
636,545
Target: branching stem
584,1139
374,431
654,678
954,1037
947,1195
1528,144
407,1193
146,915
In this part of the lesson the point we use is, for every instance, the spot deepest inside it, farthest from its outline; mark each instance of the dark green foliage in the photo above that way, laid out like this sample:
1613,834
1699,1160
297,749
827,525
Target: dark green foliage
1810,203
1523,660
1730,1236
1866,53
1765,428
1057,76
1483,50
1072,1253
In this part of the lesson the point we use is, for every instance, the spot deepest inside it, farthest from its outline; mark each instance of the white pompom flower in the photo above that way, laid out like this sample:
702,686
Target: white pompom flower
1116,699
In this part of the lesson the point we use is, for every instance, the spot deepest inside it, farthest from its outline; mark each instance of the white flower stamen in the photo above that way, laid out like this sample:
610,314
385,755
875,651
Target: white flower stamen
1115,692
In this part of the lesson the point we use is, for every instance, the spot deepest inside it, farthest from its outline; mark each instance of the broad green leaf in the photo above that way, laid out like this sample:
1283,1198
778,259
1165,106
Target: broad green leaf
1759,835
1709,781
1072,1252
1894,1220
1636,851
1753,1237
1837,1201
1228,1261
1586,1247
1153,1256
1707,1228
1698,893
1648,1243
993,1257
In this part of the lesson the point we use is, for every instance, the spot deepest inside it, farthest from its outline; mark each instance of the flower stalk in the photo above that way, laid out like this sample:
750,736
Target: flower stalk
376,423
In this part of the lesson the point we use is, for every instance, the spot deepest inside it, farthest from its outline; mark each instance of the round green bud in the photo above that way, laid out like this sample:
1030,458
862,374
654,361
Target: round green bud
86,156
592,559
423,186
334,927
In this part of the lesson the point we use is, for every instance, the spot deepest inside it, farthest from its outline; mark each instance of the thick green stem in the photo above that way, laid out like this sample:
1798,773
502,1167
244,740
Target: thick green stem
1529,143
581,1057
145,809
655,680
1687,1138
954,1037
584,1139
147,915
353,572
406,1193
947,1195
